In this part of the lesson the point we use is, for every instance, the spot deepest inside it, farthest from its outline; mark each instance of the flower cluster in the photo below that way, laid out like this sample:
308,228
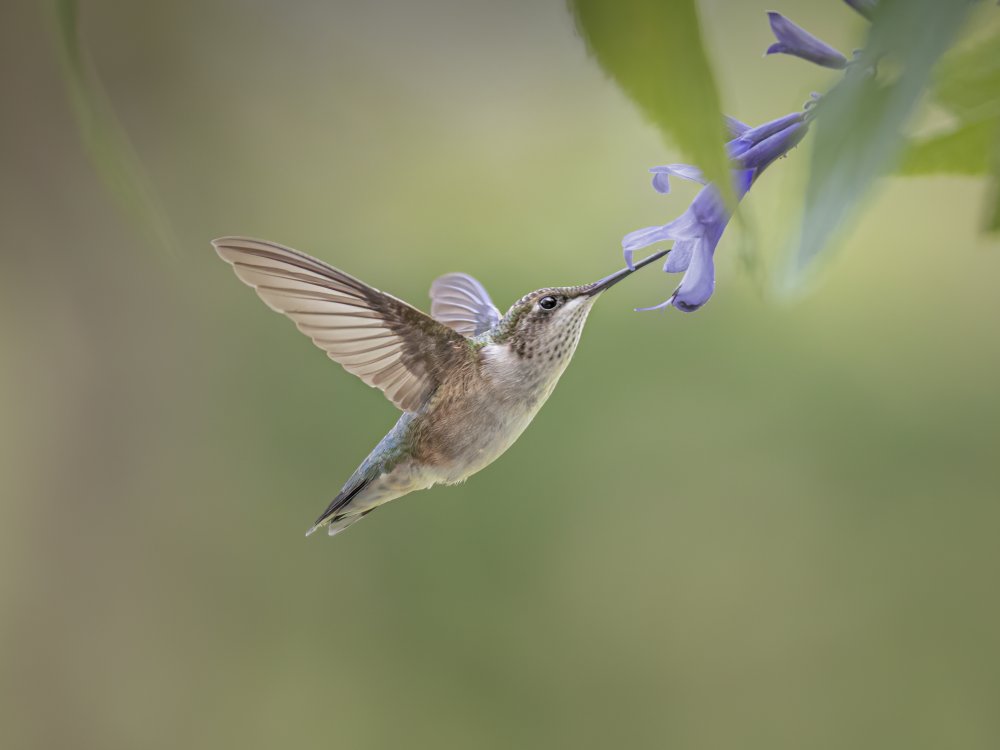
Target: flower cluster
696,232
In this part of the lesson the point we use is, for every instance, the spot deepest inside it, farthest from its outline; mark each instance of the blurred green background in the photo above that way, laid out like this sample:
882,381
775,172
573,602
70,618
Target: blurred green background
771,524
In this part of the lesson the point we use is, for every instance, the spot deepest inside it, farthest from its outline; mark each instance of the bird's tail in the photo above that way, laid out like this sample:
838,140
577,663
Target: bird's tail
337,524
337,515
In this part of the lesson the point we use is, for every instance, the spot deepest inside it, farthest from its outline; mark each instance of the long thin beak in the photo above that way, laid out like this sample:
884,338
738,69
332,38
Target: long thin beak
609,281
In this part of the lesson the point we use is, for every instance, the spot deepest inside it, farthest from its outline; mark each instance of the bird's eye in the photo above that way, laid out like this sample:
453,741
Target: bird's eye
547,303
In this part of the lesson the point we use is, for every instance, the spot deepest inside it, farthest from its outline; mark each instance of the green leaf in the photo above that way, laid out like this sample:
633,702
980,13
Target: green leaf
105,141
857,133
967,85
968,80
653,50
968,150
992,223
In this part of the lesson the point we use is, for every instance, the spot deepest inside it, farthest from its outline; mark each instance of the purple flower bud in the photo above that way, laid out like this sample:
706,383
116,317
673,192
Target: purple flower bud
735,127
794,40
760,155
752,136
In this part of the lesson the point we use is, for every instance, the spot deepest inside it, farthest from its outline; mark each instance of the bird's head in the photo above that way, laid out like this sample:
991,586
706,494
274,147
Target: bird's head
548,322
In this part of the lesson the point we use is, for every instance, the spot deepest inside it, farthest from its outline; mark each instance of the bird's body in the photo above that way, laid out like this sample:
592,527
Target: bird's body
478,412
469,380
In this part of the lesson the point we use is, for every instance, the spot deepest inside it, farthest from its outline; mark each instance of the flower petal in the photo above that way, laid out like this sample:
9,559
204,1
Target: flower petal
684,171
699,282
684,227
680,256
794,40
661,182
661,306
644,237
661,175
708,210
743,179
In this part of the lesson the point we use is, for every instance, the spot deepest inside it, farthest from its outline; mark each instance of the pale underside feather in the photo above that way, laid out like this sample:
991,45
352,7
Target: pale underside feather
461,303
381,339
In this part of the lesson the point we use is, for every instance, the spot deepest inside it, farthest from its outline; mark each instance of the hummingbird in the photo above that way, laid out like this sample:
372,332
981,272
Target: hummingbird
467,379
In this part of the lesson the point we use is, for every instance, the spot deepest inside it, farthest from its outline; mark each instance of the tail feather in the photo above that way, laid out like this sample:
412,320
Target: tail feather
336,524
333,517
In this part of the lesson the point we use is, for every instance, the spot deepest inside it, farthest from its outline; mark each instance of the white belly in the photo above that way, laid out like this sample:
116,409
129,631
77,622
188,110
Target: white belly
495,419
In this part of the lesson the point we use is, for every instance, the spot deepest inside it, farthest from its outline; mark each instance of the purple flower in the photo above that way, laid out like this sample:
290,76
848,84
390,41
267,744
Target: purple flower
757,147
697,231
794,40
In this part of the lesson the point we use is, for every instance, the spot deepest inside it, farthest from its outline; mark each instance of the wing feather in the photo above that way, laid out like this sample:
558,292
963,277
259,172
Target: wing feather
462,303
381,339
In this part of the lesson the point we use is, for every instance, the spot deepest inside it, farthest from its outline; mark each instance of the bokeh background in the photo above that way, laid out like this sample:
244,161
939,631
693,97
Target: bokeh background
771,524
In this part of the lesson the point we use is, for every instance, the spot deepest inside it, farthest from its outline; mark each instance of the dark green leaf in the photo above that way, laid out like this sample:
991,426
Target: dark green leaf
653,50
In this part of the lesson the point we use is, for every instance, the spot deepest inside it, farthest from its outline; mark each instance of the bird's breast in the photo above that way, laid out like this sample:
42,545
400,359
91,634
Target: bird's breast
474,422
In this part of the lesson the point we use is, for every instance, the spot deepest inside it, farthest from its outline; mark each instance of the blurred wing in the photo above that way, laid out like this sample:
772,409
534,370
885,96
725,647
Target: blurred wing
384,341
461,303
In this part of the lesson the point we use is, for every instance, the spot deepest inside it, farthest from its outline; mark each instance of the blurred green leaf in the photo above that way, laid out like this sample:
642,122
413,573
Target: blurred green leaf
968,86
653,50
859,122
993,204
105,141
965,150
968,80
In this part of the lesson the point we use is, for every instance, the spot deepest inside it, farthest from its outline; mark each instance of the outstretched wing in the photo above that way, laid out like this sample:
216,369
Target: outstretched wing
384,341
461,303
